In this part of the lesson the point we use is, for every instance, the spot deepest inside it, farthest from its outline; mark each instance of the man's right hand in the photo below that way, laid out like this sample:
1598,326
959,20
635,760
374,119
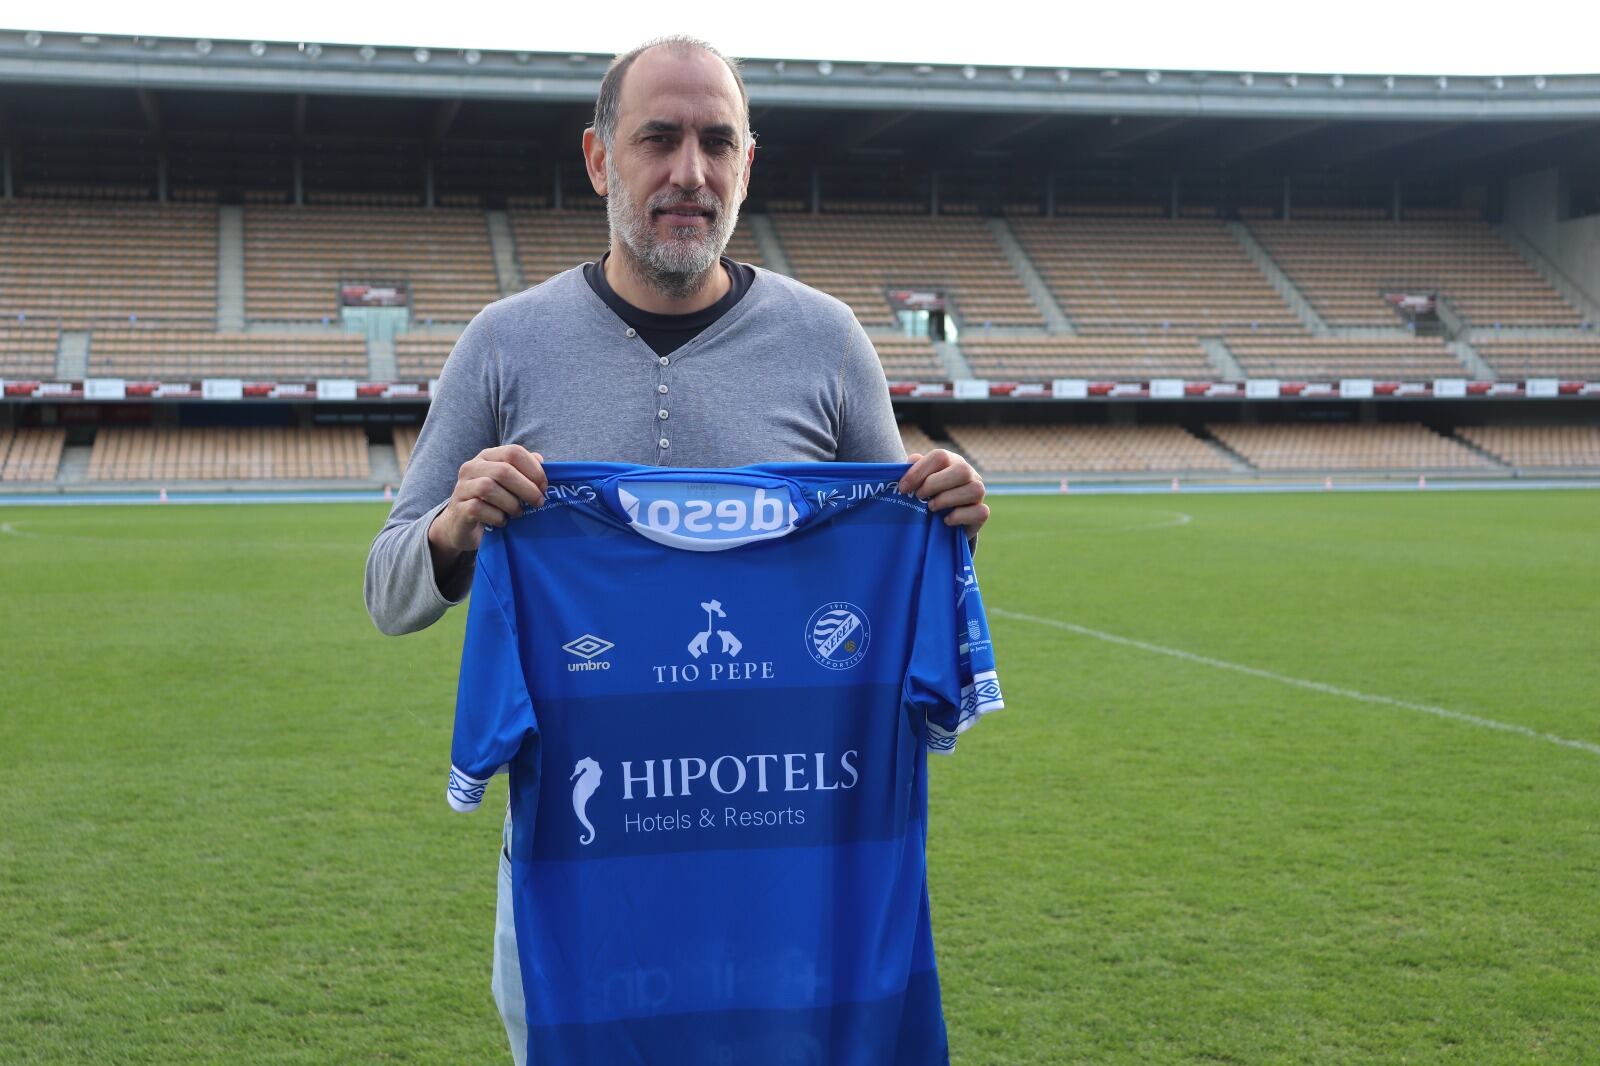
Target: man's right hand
491,489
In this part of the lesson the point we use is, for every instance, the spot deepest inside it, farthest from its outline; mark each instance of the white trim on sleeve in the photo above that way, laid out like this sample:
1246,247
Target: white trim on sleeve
464,793
977,700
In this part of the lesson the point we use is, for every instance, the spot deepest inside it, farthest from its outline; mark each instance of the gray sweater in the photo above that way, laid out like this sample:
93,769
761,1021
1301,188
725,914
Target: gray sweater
786,375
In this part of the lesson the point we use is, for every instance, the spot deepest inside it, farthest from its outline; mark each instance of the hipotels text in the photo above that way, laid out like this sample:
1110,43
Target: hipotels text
728,774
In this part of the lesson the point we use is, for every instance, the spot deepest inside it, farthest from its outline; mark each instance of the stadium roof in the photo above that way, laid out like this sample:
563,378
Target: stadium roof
173,84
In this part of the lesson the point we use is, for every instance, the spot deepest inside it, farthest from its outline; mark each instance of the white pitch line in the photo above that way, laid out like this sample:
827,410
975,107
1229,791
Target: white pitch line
1298,682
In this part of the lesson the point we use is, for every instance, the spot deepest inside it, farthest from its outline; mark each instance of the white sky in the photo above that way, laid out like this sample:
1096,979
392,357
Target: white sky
1312,36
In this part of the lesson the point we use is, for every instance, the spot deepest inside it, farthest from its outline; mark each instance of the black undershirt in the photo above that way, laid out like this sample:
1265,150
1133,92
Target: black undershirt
665,334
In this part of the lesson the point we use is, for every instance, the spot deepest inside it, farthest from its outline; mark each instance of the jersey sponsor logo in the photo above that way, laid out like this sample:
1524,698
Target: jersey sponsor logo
716,668
734,782
837,635
587,773
585,493
706,516
858,490
586,648
731,644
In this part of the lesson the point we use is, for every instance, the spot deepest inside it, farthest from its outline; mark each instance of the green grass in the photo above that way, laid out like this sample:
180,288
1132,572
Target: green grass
222,834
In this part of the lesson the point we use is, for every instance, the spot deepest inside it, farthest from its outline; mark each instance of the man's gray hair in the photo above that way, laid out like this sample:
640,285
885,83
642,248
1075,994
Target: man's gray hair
609,101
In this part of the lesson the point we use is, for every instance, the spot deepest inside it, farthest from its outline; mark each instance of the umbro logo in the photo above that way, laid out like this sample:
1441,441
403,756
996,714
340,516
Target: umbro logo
587,648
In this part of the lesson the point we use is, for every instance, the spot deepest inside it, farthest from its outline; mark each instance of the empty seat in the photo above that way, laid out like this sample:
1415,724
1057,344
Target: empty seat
1396,446
1065,450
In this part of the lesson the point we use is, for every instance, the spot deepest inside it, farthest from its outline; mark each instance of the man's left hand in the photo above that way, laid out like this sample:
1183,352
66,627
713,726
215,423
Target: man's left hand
948,482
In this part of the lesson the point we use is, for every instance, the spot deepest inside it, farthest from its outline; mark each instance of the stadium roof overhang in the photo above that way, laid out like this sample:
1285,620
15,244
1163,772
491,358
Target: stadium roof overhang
827,109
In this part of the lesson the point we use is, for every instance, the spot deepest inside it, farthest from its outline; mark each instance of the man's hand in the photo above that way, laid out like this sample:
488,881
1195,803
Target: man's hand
948,482
491,489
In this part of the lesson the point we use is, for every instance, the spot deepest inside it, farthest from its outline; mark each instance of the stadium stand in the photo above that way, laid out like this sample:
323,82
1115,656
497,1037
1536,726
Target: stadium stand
172,354
916,439
80,265
1344,267
909,359
405,439
1180,277
1331,358
1394,446
1540,357
418,357
1538,446
1113,358
549,242
1085,449
28,351
857,258
226,453
296,258
31,454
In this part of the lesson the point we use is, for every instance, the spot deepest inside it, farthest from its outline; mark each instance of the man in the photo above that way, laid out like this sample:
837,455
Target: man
664,353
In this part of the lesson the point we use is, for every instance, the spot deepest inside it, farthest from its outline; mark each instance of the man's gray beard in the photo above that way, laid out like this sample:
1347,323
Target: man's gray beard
676,268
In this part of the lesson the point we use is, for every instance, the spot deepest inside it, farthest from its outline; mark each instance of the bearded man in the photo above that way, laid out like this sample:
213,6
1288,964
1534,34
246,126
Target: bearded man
662,353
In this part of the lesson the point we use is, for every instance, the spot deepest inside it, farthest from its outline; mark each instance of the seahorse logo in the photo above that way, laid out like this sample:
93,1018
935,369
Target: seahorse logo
588,773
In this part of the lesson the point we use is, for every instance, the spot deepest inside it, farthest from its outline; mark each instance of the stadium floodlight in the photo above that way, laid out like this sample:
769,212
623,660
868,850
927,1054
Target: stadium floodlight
824,68
313,50
1538,81
367,53
524,57
1498,82
472,56
258,48
779,67
1018,73
1292,81
923,69
1110,75
420,55
89,39
32,39
149,42
1388,83
1063,76
1152,77
1247,79
203,46
1337,81
1442,82
969,72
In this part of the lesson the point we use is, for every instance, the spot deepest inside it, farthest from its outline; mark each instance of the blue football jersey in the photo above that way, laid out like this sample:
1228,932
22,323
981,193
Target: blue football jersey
714,692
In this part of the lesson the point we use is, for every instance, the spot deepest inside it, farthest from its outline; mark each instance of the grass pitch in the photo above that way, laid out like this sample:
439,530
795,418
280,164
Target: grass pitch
223,838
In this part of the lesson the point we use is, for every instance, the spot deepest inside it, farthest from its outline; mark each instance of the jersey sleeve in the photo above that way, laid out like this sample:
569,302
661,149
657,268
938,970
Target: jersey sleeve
494,712
952,678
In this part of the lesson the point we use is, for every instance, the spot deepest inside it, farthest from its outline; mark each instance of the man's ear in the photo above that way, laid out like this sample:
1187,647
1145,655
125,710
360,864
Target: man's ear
749,163
594,159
